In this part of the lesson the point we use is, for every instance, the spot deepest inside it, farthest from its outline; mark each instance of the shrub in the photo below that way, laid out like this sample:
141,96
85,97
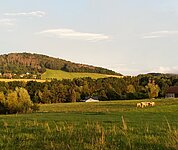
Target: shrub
24,102
17,101
12,102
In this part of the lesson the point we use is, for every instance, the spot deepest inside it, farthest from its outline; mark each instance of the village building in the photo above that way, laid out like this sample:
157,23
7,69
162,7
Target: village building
22,75
91,100
34,76
7,75
172,92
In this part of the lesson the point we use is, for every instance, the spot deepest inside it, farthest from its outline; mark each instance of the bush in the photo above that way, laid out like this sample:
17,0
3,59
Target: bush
12,102
24,102
17,101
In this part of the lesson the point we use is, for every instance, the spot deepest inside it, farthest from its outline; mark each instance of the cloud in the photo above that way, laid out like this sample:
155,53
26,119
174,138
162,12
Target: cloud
160,34
7,22
165,32
72,34
134,69
130,69
33,13
150,36
163,69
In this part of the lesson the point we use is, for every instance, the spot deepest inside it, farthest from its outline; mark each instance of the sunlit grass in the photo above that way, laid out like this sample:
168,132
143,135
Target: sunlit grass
23,80
59,74
104,125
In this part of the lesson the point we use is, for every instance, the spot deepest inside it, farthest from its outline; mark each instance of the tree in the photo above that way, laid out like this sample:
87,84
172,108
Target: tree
153,89
73,96
12,102
33,88
130,88
58,93
102,95
46,95
2,98
85,90
3,105
24,101
18,101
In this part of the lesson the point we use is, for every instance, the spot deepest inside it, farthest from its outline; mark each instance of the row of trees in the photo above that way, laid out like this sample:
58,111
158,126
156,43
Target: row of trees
140,87
22,97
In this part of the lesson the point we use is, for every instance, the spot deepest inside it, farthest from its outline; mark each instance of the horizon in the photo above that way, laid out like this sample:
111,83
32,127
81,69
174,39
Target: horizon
129,37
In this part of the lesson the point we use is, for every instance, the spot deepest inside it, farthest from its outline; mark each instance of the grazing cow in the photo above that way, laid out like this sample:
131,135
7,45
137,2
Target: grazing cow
139,105
152,103
144,104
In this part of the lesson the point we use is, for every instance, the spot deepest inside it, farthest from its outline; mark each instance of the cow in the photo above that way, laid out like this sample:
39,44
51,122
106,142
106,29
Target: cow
139,105
144,104
152,103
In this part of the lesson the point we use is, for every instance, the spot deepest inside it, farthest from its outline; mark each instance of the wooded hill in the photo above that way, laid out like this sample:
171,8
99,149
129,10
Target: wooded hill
21,63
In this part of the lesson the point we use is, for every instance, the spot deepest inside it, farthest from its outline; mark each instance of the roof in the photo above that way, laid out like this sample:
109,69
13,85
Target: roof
173,89
91,100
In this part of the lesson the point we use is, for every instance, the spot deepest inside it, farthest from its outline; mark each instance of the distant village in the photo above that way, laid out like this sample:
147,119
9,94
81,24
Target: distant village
20,76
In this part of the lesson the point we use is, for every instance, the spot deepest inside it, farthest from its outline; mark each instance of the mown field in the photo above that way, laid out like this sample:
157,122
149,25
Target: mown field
22,80
94,126
58,74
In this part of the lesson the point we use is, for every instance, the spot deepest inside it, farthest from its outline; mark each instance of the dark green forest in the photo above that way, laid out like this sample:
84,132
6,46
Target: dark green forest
22,63
76,90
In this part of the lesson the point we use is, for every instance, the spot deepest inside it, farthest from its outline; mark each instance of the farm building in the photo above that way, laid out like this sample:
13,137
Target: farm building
7,75
91,100
172,92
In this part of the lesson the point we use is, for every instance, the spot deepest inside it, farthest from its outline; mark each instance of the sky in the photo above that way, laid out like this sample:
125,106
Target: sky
128,36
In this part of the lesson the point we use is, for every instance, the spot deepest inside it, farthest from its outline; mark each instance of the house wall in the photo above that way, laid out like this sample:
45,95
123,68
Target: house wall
170,95
176,95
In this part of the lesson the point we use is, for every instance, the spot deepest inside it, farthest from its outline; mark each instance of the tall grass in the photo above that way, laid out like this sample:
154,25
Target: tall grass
91,135
95,126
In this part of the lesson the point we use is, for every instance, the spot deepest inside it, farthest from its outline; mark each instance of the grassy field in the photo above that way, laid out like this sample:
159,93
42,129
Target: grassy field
22,80
94,126
58,74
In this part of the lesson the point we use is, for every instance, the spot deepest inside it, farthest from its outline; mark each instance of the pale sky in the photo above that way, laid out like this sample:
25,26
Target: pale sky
127,36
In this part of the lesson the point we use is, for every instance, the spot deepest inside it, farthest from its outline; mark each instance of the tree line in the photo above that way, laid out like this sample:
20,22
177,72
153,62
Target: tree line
105,89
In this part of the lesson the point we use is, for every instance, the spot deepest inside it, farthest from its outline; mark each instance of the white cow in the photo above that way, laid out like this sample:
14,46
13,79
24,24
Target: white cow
139,105
145,104
152,103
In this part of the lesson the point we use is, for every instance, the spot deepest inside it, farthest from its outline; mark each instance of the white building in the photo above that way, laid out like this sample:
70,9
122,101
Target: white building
91,100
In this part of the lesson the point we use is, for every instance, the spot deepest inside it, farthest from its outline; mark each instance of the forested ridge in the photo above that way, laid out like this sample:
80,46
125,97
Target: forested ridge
21,63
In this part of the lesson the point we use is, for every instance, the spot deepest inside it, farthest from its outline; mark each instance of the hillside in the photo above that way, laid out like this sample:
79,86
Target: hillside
21,63
59,74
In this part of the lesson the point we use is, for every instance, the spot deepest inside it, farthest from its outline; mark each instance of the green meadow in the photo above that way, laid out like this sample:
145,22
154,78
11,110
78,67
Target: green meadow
59,74
93,126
